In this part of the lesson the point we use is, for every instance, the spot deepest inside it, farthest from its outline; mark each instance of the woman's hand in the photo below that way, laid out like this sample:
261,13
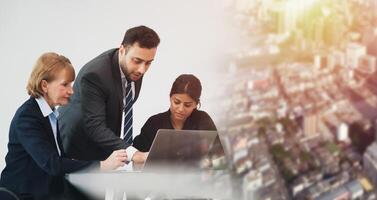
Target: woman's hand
115,160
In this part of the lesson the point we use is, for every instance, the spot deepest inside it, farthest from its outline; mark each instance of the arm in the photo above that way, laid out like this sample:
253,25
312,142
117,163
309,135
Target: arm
206,123
138,152
94,114
32,135
115,160
144,140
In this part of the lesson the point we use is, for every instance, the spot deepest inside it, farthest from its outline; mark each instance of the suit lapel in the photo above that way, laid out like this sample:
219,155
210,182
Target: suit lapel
117,83
138,87
50,133
59,139
47,126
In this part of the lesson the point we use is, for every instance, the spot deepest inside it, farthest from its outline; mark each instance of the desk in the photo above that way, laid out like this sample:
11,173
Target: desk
116,185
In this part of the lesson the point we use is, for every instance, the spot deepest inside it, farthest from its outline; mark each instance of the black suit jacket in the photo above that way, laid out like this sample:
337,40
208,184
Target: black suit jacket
33,165
90,124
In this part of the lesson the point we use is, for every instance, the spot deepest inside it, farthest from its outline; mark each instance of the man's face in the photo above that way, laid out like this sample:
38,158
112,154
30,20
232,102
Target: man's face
135,60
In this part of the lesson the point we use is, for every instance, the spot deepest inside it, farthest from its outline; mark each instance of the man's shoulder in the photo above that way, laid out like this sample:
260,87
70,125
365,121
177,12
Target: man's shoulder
107,54
101,61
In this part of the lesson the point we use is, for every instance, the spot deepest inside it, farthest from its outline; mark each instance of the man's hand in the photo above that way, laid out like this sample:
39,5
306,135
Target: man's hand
140,157
115,160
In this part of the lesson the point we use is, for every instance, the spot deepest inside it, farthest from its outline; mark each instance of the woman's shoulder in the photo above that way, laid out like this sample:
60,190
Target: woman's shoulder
28,112
29,107
157,121
203,120
159,116
200,113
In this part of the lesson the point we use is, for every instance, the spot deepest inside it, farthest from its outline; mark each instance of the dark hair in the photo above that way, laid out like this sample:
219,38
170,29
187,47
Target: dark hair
146,37
187,84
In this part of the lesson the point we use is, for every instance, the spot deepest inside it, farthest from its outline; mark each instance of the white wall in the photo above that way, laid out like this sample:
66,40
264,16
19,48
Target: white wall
192,41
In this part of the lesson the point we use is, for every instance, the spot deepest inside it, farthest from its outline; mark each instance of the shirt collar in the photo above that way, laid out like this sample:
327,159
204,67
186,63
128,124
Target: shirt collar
45,108
122,74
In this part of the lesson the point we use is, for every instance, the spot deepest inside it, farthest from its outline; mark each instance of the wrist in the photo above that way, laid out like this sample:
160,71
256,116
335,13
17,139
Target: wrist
102,165
130,153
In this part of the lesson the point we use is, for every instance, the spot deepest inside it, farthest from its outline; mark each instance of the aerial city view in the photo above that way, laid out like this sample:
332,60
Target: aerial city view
300,93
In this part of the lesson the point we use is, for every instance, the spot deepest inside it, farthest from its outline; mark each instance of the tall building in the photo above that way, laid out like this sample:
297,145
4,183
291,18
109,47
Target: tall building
284,17
353,53
370,162
334,30
367,64
375,131
338,58
320,62
370,159
331,62
252,181
342,133
311,124
372,45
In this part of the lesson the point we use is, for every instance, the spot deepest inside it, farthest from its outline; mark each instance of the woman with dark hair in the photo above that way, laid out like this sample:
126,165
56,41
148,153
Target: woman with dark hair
183,113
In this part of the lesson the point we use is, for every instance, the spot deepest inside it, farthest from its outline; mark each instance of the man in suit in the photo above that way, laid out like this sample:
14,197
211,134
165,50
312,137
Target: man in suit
97,120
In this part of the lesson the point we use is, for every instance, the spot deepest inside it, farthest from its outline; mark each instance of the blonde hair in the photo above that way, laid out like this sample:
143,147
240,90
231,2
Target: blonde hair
46,68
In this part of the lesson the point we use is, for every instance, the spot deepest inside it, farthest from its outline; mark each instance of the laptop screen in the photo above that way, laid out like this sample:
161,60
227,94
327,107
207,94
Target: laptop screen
183,149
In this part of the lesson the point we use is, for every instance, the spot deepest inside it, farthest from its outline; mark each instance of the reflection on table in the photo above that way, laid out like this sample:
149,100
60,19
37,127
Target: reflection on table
161,183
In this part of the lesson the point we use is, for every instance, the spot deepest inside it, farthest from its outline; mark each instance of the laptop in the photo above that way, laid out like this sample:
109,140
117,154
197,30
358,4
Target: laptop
182,150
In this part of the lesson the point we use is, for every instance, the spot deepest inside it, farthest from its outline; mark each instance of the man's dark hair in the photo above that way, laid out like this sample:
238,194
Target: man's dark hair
187,84
146,37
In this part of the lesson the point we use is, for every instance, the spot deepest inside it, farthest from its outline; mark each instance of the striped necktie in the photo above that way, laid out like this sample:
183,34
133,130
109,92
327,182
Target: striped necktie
128,115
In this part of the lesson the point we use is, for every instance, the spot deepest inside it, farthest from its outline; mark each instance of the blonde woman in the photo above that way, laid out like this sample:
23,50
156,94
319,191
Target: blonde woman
36,162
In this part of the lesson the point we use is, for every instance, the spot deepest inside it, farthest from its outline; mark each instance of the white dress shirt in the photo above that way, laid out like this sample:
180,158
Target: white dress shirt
52,116
130,150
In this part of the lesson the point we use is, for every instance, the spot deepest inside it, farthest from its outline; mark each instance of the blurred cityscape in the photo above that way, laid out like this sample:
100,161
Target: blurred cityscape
300,95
